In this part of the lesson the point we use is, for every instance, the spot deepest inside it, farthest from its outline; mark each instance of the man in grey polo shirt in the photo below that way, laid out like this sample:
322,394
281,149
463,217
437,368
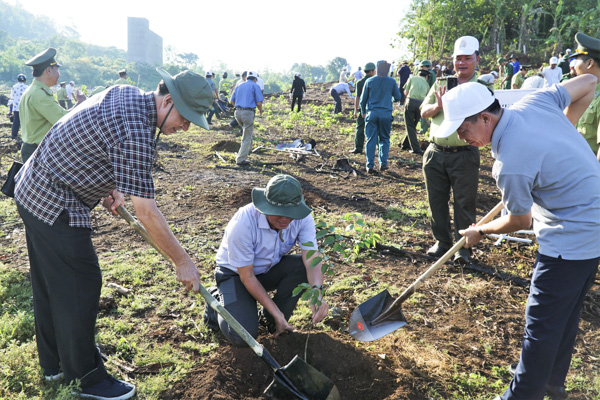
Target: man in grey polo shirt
546,174
253,260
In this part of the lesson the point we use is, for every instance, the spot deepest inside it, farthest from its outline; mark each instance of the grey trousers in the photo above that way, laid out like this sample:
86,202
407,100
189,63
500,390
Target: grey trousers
283,278
246,120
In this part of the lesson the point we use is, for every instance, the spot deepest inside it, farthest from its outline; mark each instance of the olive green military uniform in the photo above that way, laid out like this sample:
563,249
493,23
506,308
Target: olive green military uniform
517,80
588,125
359,128
61,96
508,71
39,112
449,164
122,81
417,88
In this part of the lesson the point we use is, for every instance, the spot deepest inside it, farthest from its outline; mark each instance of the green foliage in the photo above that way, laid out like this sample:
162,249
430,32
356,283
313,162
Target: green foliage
535,27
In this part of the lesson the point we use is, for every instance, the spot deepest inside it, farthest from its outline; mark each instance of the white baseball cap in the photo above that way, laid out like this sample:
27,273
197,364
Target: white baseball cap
465,46
553,60
297,74
494,73
72,83
461,102
251,74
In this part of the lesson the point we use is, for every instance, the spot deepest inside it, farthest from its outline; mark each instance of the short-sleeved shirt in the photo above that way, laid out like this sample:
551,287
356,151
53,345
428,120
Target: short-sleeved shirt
69,91
246,95
122,81
61,94
517,80
16,93
551,76
378,95
106,143
417,87
437,120
544,165
249,240
589,123
38,111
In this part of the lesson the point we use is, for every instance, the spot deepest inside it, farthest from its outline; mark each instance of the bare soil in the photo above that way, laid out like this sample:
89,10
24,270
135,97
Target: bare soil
464,322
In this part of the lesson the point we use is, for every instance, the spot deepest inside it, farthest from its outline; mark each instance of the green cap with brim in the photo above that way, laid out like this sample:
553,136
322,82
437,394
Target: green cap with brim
191,94
369,66
44,59
501,60
586,45
282,197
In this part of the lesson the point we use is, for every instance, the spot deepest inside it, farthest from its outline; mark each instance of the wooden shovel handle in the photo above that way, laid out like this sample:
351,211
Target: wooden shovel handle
437,265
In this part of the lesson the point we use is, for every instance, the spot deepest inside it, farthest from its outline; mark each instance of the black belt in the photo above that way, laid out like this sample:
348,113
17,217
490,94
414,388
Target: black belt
415,100
245,108
450,149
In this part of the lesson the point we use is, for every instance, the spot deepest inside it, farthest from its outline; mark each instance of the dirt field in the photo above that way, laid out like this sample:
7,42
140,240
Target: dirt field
464,326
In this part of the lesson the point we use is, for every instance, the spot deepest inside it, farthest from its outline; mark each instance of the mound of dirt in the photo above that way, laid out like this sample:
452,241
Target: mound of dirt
238,370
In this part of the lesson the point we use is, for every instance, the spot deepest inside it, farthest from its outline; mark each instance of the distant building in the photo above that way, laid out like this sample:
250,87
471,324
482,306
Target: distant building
143,45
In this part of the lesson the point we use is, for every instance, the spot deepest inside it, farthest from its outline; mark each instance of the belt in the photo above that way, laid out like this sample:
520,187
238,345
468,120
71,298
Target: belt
415,100
450,149
245,108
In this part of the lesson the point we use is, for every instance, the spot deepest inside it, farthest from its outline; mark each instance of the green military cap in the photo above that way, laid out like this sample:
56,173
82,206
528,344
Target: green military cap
62,83
123,71
501,60
523,66
425,63
191,94
44,59
586,45
369,66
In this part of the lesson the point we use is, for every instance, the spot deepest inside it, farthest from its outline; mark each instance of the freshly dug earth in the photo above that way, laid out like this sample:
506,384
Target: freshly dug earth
464,327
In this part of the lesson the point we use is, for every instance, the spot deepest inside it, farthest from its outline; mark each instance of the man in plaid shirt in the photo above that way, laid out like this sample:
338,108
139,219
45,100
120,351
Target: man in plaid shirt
104,149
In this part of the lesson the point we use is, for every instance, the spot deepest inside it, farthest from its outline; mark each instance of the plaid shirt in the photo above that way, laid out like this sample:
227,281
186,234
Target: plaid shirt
106,143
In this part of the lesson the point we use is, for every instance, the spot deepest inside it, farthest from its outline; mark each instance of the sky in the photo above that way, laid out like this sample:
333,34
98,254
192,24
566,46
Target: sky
255,35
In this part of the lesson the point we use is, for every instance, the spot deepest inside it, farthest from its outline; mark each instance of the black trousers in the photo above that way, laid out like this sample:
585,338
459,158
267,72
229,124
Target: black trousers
412,114
338,101
16,125
66,282
297,97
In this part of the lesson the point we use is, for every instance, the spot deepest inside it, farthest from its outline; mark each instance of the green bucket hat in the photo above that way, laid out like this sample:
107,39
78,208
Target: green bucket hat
282,197
191,93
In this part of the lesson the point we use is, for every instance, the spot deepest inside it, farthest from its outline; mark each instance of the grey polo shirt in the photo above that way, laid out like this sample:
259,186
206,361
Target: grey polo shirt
544,164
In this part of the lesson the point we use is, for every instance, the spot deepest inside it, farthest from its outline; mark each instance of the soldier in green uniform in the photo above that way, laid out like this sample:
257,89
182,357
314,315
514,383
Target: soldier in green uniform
359,130
425,65
508,73
39,109
415,90
122,78
587,56
451,164
61,95
519,77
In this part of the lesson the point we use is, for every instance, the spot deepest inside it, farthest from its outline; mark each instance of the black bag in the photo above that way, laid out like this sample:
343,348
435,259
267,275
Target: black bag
9,186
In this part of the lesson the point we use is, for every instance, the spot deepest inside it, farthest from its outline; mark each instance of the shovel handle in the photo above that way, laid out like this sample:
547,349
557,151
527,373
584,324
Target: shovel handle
437,265
212,302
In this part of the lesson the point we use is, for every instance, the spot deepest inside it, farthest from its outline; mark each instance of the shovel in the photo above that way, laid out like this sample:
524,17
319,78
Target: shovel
297,380
382,315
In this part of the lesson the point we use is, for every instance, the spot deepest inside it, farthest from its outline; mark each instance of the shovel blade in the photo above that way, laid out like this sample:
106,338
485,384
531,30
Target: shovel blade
306,379
361,327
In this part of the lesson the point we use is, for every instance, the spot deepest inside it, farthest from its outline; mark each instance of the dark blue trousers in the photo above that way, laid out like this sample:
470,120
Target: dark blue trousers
556,296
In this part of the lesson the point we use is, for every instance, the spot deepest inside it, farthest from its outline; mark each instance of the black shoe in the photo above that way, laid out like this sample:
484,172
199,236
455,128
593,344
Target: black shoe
437,250
556,392
384,168
109,389
210,316
372,171
462,256
243,163
355,151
